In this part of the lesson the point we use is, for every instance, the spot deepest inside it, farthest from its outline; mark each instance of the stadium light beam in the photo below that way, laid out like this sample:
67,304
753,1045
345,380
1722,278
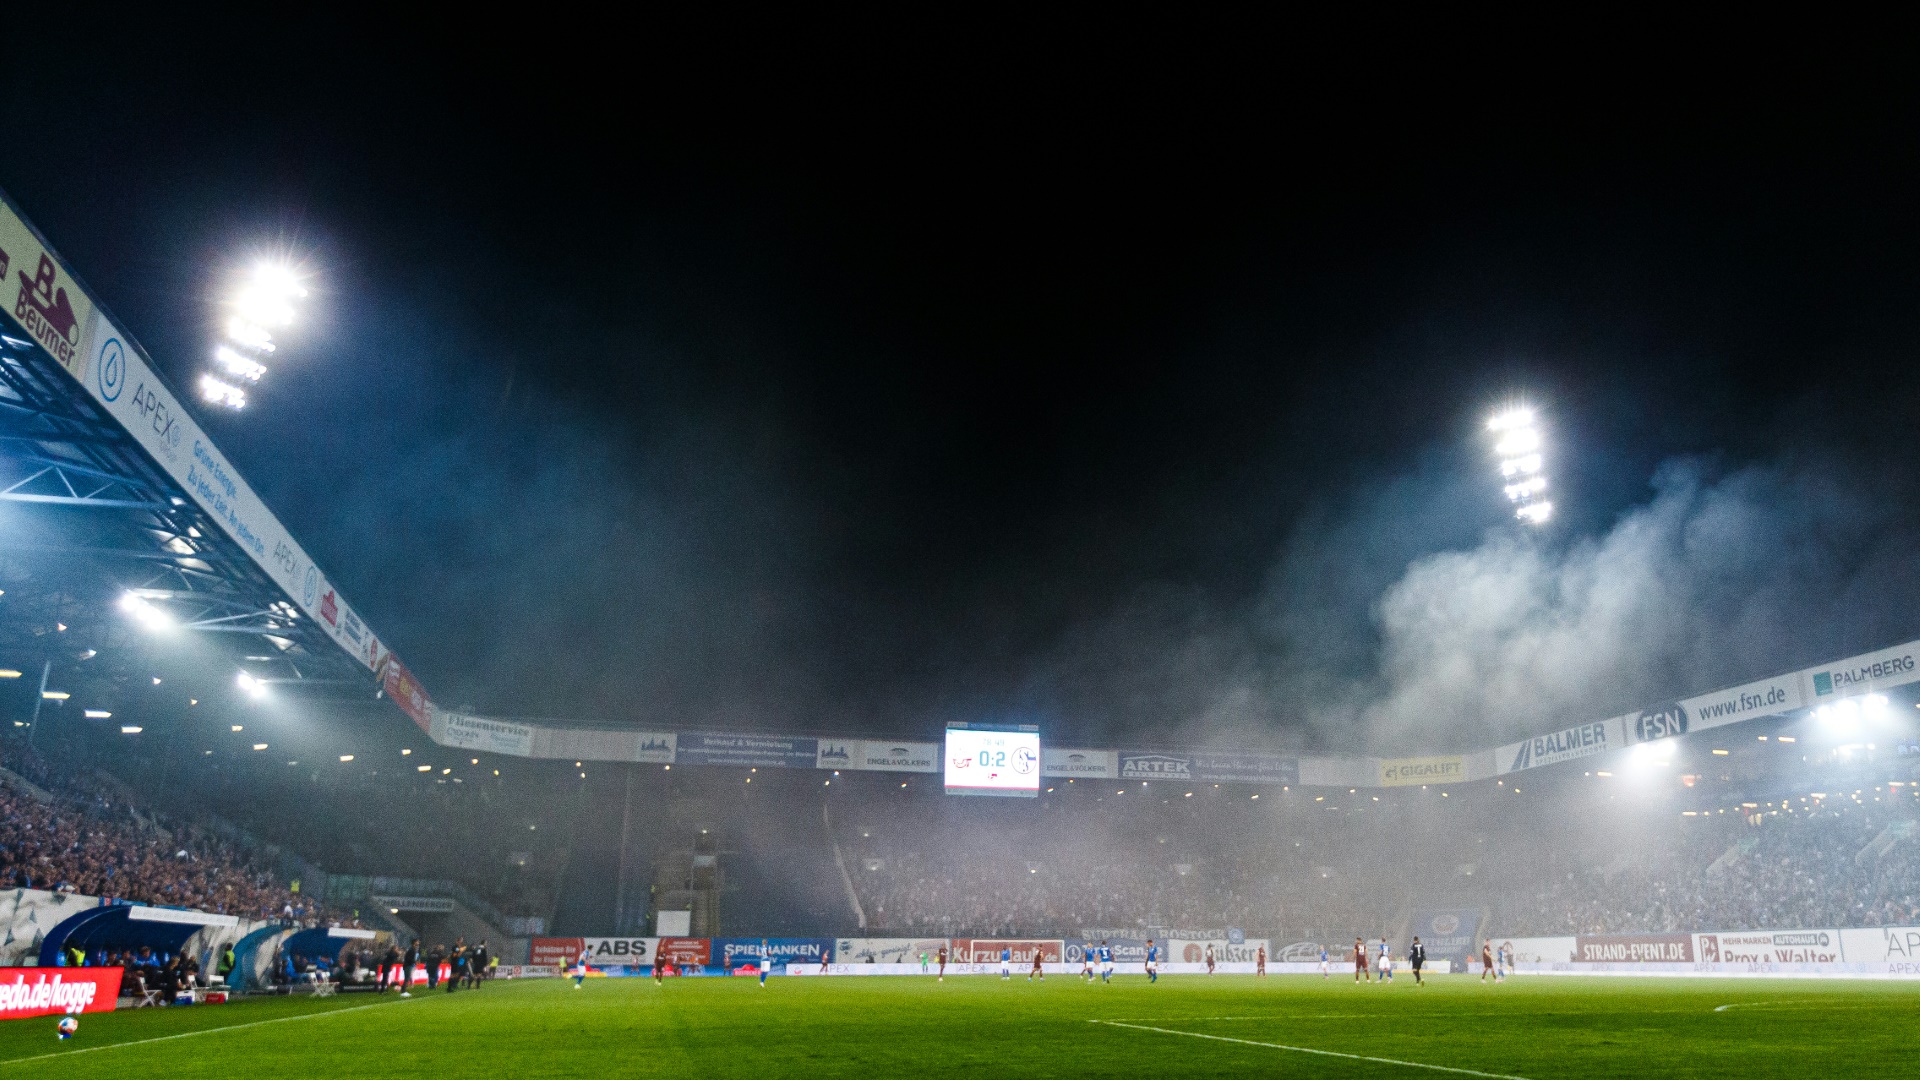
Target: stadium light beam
144,612
254,687
221,393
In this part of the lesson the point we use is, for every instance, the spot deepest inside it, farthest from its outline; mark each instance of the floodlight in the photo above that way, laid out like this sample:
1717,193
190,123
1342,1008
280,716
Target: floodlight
1526,488
239,366
259,746
1521,466
97,714
254,687
1522,441
1512,418
250,335
129,729
55,695
144,612
1535,513
222,393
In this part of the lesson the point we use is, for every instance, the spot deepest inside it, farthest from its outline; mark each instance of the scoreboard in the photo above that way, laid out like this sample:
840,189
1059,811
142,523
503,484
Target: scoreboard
992,760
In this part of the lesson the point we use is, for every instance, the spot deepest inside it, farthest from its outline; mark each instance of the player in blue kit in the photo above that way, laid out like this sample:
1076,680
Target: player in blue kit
1153,961
580,969
1106,962
766,961
1006,963
1086,963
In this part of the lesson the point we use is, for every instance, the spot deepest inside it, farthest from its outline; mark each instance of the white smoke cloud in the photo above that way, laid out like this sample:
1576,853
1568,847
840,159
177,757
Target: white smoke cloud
1711,582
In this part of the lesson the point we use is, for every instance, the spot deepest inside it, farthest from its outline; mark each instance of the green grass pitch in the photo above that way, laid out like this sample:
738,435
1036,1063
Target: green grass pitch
1297,1026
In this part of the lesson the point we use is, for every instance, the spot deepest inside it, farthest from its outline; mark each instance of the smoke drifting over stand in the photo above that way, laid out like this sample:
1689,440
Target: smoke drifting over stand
1718,577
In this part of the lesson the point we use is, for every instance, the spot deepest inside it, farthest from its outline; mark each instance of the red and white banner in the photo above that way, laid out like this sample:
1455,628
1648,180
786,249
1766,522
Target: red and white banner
682,951
38,991
556,951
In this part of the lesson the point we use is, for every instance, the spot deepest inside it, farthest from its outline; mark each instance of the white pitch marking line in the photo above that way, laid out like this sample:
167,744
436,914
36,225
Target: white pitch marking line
1311,1050
183,1035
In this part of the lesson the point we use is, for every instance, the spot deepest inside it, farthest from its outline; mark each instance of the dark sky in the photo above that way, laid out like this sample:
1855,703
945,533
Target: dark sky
694,381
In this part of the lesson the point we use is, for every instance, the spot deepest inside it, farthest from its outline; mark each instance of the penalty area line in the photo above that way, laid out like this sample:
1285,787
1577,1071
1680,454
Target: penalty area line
1311,1050
182,1035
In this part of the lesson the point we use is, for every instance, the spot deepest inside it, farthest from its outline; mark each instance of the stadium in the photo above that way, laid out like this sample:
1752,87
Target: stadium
733,640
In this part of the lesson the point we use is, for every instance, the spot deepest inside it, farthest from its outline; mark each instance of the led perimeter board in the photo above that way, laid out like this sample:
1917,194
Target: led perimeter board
993,759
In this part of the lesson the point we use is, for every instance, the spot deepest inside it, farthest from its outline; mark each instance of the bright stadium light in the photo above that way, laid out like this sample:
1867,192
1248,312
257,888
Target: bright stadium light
221,393
1512,418
254,687
1521,463
144,612
240,367
97,714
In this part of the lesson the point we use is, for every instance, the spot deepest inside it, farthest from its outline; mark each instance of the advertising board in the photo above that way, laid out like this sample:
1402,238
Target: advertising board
1244,767
883,756
38,991
987,950
746,751
1567,744
1768,947
1864,673
1153,765
1406,772
1188,951
1061,763
552,951
1447,934
1633,948
682,951
733,952
885,950
478,733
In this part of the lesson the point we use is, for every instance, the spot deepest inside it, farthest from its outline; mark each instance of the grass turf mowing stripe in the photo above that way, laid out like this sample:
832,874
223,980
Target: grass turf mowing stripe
1311,1050
183,1035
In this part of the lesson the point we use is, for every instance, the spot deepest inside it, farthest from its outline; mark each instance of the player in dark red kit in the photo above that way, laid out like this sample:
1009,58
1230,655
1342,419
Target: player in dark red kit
1360,969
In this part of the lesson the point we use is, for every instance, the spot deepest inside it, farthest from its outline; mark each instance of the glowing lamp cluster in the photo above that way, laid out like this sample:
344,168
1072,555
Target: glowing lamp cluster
263,303
1521,464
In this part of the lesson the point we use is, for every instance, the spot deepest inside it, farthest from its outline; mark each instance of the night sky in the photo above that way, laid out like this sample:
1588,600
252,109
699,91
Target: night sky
702,383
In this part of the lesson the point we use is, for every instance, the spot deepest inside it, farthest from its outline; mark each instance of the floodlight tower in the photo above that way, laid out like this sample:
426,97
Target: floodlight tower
264,301
1522,465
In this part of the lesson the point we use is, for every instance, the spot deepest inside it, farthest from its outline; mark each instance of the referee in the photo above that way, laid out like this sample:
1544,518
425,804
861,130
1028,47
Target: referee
1417,956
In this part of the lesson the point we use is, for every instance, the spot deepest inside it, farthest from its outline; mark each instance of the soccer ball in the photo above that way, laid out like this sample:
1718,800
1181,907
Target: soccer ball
68,1025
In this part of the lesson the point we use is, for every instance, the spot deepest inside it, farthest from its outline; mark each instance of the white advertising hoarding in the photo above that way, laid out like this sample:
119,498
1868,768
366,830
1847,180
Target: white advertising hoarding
1061,763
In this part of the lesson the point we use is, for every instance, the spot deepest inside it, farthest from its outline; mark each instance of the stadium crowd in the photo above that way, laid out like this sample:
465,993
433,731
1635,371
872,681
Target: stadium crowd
1837,863
90,840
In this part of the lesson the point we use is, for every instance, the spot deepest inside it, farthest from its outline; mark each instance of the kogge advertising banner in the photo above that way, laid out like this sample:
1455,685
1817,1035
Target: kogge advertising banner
38,991
757,751
1092,764
1566,744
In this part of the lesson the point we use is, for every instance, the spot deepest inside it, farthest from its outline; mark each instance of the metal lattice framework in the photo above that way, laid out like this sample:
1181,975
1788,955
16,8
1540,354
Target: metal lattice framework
86,518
